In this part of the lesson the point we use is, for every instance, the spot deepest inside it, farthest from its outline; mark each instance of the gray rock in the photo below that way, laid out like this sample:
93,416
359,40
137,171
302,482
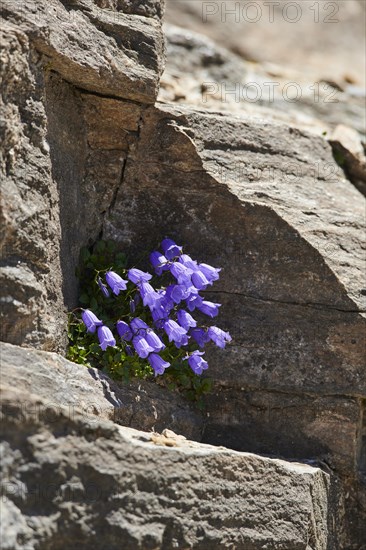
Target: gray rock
269,204
75,483
350,154
32,302
60,383
58,177
85,154
102,50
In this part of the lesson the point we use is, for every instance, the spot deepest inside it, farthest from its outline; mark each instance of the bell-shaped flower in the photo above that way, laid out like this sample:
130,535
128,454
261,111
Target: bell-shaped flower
185,319
135,302
174,331
211,273
171,249
154,341
159,315
103,287
165,300
188,262
199,280
124,330
176,293
139,326
158,363
209,308
90,320
129,350
195,361
115,282
141,346
193,301
200,335
218,336
181,273
183,342
159,262
105,337
137,276
149,296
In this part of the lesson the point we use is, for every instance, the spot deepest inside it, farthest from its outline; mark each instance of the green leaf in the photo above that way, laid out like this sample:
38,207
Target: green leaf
84,299
84,254
111,245
99,247
93,303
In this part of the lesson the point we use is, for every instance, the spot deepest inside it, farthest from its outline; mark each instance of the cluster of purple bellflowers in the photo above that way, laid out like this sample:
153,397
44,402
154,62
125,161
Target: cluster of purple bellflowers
170,310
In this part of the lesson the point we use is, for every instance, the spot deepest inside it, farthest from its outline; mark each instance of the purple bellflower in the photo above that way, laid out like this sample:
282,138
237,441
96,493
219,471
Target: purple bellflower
193,301
181,273
149,296
188,262
137,276
196,362
158,363
218,336
129,350
141,346
115,282
124,330
182,342
139,326
159,315
211,273
159,262
176,293
174,331
199,280
170,249
209,308
170,308
185,319
105,337
154,341
200,336
90,320
103,287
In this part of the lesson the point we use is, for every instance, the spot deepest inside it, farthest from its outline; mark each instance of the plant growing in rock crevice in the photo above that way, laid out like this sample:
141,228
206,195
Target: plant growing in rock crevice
138,325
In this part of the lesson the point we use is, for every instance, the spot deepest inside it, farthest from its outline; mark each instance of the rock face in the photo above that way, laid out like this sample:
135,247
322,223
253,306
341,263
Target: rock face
94,45
60,383
87,153
269,203
83,482
31,279
52,53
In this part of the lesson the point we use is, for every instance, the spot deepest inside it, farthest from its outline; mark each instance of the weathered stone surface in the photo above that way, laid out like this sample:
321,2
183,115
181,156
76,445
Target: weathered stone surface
147,8
105,51
270,204
85,155
32,303
81,482
325,40
201,73
350,152
139,404
62,159
89,139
